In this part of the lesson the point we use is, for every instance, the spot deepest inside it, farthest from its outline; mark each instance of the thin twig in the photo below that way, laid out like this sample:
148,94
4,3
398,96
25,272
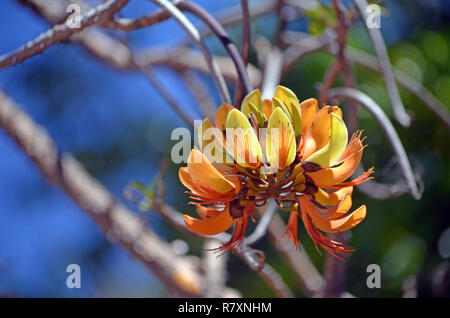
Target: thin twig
62,32
224,38
263,224
274,280
299,41
394,141
383,59
246,39
215,269
415,88
200,92
309,277
180,110
380,191
247,254
195,36
301,48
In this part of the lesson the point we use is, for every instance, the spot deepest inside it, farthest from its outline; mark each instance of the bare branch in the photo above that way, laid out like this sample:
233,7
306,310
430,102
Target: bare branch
415,88
385,65
261,228
375,110
195,36
119,224
215,270
246,38
200,92
182,58
380,191
248,255
61,32
312,44
303,47
311,280
274,280
224,38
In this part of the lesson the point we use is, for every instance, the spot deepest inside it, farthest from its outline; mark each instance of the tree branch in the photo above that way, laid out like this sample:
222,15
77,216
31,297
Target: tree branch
195,36
61,32
385,66
224,38
176,273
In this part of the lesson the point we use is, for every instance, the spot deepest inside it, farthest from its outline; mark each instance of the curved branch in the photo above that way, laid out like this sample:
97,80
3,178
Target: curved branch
224,38
246,33
415,88
301,45
195,36
368,103
385,65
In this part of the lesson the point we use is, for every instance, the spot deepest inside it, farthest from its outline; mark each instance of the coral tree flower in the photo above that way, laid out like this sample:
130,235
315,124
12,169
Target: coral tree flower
282,149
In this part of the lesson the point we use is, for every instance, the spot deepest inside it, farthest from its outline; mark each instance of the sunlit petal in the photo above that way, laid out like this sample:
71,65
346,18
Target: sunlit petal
210,226
330,154
280,141
201,169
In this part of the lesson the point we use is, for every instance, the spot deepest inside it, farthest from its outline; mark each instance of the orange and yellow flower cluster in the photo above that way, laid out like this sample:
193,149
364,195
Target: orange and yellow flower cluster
277,149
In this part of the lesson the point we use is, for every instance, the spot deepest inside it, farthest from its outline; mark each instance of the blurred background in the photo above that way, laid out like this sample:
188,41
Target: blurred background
119,127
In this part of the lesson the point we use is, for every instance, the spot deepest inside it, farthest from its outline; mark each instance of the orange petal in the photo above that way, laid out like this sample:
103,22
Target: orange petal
344,223
334,198
201,169
308,110
325,212
308,144
221,115
206,213
321,125
350,160
187,181
210,226
267,107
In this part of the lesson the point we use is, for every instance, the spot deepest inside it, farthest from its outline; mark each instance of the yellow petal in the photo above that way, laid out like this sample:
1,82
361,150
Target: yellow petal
308,109
201,170
331,153
221,115
278,103
242,142
280,141
286,96
253,98
349,162
210,226
290,100
334,198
